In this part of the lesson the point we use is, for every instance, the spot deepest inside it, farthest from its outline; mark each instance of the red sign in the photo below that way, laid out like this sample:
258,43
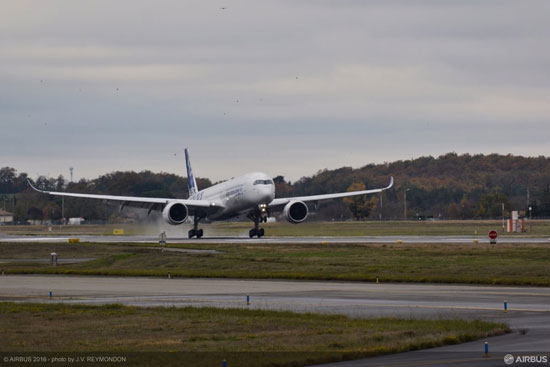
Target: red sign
493,235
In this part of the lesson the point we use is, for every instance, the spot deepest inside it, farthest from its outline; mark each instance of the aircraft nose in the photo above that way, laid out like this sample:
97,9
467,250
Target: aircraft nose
268,193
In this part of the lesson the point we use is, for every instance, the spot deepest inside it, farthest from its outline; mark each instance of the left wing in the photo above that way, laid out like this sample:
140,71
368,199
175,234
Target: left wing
141,202
284,201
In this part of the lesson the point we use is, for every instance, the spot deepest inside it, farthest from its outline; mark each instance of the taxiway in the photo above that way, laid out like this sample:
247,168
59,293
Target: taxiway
528,307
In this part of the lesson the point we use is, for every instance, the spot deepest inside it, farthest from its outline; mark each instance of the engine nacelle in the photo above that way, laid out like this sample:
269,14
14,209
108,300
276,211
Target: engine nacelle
295,212
175,213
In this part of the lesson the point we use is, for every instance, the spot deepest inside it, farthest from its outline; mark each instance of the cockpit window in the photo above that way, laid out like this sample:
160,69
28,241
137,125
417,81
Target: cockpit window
263,182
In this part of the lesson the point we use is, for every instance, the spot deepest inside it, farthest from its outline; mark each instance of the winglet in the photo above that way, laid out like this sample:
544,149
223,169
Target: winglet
391,183
34,188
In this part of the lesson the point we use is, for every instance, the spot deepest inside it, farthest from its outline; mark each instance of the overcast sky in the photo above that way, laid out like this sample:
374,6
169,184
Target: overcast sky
284,87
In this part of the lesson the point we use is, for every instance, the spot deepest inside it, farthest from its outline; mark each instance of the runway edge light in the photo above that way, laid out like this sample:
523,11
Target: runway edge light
486,349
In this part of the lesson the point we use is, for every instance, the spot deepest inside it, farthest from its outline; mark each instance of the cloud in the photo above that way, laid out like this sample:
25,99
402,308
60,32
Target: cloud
286,87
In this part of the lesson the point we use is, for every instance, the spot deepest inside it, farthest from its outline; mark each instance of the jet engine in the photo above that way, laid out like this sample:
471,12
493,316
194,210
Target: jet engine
175,213
295,212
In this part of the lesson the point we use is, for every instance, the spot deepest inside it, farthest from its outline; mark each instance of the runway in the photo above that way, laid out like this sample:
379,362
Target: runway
282,240
528,307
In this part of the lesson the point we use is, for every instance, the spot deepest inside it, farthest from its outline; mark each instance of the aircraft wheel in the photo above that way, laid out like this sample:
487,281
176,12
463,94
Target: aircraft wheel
191,233
261,233
252,232
199,233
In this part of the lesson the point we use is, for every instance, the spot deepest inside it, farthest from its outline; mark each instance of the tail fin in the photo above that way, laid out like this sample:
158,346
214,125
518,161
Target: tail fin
191,183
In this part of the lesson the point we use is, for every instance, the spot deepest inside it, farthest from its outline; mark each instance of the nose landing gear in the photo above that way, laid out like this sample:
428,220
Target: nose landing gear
258,217
256,232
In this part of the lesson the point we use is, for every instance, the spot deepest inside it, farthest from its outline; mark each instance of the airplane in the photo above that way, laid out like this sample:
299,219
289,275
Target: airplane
252,194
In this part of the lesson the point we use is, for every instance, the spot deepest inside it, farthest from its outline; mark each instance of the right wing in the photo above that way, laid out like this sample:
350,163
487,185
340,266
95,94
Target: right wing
158,204
284,201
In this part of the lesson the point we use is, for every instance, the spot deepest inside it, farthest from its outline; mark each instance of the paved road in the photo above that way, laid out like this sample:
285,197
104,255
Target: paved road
283,240
529,308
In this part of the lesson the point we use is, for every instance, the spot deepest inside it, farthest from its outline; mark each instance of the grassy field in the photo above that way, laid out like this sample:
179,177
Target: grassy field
386,228
522,264
206,336
283,228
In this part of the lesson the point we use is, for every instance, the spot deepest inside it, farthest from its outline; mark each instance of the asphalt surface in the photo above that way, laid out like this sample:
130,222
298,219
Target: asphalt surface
528,307
283,240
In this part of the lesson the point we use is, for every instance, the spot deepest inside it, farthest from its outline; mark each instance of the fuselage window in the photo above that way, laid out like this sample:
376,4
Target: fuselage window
263,182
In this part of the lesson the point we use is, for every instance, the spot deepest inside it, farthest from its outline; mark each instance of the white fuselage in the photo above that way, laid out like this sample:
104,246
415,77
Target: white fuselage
239,195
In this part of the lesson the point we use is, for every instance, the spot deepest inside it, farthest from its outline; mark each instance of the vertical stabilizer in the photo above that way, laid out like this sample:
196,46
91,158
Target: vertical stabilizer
191,183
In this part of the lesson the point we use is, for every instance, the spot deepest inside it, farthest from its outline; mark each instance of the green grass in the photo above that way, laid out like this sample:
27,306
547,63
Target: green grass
521,264
386,228
205,336
283,228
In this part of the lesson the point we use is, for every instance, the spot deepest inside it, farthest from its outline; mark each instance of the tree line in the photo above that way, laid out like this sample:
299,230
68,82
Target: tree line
450,186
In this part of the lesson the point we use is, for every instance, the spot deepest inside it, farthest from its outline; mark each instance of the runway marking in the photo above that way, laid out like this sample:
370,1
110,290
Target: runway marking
471,290
460,308
481,291
186,299
520,294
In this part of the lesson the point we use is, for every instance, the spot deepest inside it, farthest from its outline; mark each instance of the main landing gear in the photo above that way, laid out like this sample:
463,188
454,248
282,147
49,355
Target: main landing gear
195,232
256,231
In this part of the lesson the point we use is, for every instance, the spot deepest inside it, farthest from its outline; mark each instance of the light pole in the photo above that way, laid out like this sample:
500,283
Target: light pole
530,219
503,226
381,206
405,203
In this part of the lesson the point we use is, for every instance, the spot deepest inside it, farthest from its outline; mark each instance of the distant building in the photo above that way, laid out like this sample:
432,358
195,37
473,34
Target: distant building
5,216
76,221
